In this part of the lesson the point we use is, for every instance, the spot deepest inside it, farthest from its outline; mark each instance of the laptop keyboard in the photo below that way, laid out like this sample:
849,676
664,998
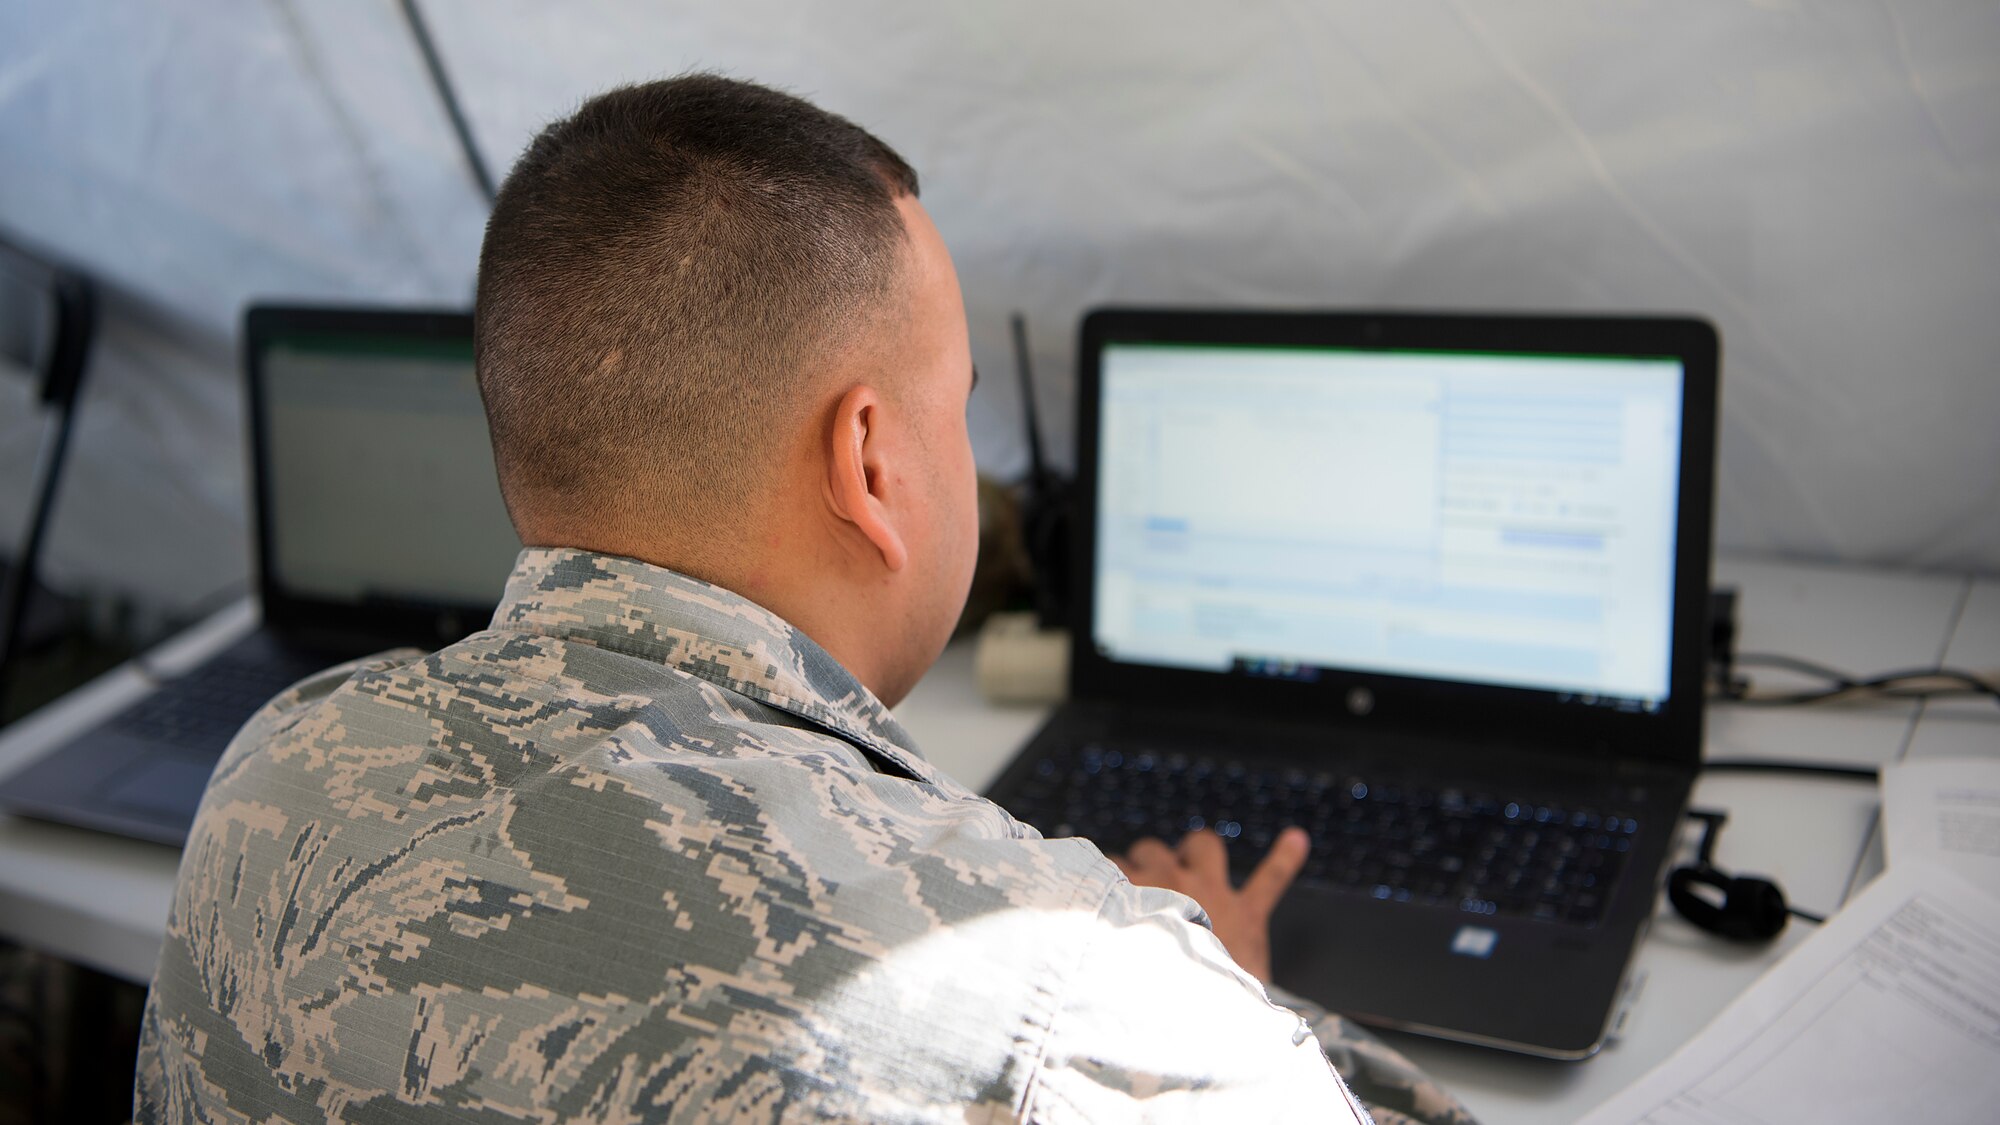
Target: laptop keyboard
204,709
1482,851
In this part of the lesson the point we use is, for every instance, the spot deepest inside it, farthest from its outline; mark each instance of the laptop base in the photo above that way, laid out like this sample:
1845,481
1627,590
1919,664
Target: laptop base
1454,966
141,772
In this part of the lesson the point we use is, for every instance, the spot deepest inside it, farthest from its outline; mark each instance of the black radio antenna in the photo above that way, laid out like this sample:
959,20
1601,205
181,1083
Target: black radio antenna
1045,511
1037,467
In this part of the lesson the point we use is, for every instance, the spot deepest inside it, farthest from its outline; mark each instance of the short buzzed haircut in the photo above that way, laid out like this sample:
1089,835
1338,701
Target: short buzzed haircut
660,273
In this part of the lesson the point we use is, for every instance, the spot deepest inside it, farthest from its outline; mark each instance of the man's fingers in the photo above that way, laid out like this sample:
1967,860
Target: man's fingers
1205,853
1267,884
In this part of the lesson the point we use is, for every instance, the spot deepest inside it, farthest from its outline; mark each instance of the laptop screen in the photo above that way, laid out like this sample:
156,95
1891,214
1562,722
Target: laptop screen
380,473
1483,518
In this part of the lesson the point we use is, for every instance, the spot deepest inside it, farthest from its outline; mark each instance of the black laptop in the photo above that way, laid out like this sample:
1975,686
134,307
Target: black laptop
1433,587
378,523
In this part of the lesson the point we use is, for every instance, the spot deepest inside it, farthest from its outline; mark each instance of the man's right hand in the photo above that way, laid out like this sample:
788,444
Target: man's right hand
1199,869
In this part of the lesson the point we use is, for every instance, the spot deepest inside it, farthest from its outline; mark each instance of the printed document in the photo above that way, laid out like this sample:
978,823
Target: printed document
1945,811
1890,1013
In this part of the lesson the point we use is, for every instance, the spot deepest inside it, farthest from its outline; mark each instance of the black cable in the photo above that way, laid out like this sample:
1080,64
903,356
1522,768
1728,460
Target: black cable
21,576
74,323
1038,469
1828,672
1796,664
1773,765
1887,685
1971,684
442,83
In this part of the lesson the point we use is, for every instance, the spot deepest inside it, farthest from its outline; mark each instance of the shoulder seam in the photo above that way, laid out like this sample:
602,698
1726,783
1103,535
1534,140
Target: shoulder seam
1059,996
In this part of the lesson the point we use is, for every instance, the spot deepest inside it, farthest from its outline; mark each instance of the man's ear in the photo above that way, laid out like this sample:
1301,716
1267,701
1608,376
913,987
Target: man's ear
858,480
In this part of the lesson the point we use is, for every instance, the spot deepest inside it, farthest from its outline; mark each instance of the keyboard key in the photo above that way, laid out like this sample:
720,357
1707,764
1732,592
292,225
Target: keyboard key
1549,860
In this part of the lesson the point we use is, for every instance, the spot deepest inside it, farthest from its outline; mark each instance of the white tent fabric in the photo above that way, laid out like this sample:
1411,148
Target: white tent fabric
1819,177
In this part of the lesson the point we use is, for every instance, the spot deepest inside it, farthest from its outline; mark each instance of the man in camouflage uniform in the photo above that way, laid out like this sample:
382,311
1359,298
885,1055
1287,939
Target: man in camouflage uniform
652,847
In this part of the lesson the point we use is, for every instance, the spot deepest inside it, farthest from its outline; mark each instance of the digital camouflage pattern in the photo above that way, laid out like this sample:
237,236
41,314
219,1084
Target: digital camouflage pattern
1393,1088
640,852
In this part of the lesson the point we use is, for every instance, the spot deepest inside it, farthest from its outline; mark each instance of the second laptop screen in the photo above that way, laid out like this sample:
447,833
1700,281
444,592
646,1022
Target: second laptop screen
381,473
1473,517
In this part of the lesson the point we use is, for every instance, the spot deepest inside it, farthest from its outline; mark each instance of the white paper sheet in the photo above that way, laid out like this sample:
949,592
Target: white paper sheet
1946,811
1890,1013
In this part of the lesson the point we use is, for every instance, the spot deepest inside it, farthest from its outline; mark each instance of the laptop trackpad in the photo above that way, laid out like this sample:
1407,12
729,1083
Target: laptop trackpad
161,785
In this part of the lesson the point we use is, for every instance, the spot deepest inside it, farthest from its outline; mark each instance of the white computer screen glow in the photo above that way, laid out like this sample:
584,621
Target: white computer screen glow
1496,519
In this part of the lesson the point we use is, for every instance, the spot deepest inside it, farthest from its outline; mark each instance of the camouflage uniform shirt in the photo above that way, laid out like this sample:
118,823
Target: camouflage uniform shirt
642,851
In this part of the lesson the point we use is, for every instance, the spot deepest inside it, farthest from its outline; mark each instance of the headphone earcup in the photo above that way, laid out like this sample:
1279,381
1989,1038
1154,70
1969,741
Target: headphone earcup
1755,909
1752,909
